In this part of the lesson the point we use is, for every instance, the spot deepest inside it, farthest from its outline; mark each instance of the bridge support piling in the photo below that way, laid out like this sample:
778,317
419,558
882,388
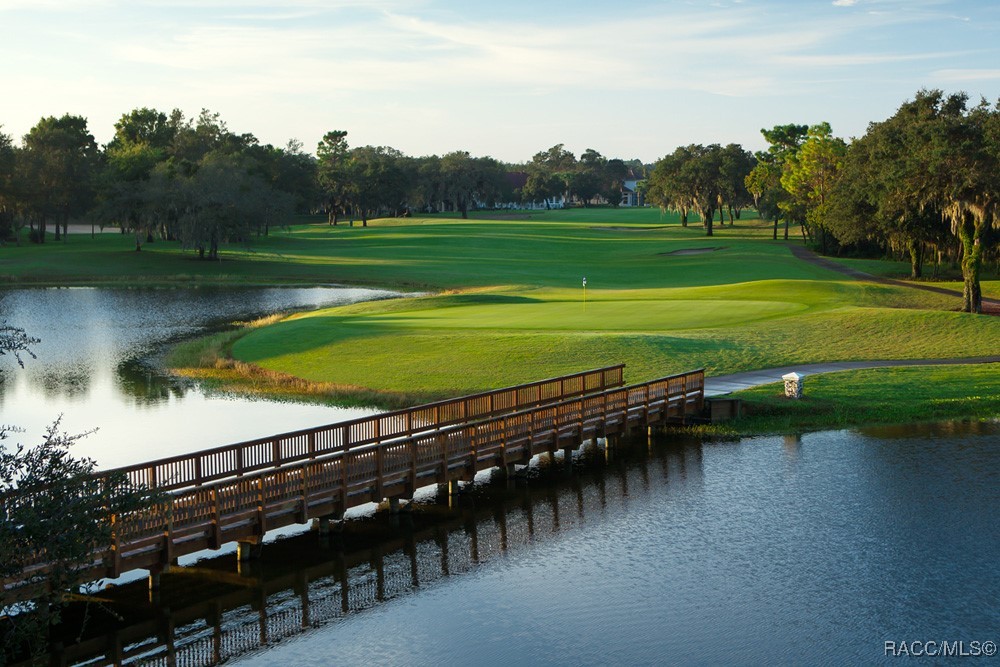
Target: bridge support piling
248,550
568,457
329,523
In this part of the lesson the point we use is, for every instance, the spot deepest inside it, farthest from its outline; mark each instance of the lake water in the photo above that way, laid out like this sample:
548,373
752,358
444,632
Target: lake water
96,367
811,550
775,550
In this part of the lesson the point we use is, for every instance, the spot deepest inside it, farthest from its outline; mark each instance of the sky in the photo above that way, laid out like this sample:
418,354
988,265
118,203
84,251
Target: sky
505,78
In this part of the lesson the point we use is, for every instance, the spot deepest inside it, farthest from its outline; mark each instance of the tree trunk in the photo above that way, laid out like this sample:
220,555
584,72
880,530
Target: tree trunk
776,229
684,217
786,229
731,218
916,259
972,297
709,214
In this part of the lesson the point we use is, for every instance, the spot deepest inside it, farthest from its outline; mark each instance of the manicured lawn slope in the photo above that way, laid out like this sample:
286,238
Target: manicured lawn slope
520,312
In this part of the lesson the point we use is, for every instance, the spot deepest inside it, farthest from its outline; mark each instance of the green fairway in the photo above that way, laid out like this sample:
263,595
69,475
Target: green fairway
509,304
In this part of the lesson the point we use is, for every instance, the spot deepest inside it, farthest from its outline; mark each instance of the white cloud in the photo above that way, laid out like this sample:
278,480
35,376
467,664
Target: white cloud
967,74
844,3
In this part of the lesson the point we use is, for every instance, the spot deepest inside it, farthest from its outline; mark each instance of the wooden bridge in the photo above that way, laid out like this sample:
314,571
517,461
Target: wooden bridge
239,492
211,614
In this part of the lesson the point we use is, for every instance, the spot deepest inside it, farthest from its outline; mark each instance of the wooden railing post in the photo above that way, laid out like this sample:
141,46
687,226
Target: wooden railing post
413,466
168,546
379,463
343,480
473,453
305,491
115,566
443,446
261,505
216,537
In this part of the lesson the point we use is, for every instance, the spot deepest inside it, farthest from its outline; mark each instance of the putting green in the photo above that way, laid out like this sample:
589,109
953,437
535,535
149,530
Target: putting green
598,315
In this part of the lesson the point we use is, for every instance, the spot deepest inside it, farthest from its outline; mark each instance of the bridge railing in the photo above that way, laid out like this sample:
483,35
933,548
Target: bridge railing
416,457
239,459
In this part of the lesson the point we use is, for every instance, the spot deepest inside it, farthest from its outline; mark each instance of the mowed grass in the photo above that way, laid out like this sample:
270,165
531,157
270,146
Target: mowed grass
440,348
510,304
747,303
614,249
872,397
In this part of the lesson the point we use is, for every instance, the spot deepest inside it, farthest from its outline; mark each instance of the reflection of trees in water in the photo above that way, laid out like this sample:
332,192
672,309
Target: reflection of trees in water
944,429
133,378
63,381
142,382
207,614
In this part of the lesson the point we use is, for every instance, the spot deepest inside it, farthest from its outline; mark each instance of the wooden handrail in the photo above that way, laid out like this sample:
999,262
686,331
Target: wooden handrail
239,459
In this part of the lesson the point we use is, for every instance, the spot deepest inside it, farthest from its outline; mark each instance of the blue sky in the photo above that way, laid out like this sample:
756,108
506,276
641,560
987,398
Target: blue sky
506,79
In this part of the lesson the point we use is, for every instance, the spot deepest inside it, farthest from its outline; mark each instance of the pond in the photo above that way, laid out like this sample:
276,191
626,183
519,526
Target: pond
794,550
97,367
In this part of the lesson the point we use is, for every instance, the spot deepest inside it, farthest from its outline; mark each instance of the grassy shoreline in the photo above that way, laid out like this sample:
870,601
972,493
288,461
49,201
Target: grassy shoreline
843,399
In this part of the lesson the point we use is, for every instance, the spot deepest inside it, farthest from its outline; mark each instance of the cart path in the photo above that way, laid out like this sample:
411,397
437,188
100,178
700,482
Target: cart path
990,306
725,384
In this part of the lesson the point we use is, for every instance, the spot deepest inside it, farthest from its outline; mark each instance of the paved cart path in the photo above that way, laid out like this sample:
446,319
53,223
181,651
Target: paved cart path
990,306
725,384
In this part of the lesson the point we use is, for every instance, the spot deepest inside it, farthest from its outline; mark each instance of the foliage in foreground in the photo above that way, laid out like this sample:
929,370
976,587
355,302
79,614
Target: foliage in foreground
55,516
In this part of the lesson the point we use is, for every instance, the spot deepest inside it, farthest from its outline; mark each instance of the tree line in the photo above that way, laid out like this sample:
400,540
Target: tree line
192,180
924,180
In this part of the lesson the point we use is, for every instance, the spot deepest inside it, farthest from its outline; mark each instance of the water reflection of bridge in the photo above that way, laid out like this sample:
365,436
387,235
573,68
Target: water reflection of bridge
208,614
